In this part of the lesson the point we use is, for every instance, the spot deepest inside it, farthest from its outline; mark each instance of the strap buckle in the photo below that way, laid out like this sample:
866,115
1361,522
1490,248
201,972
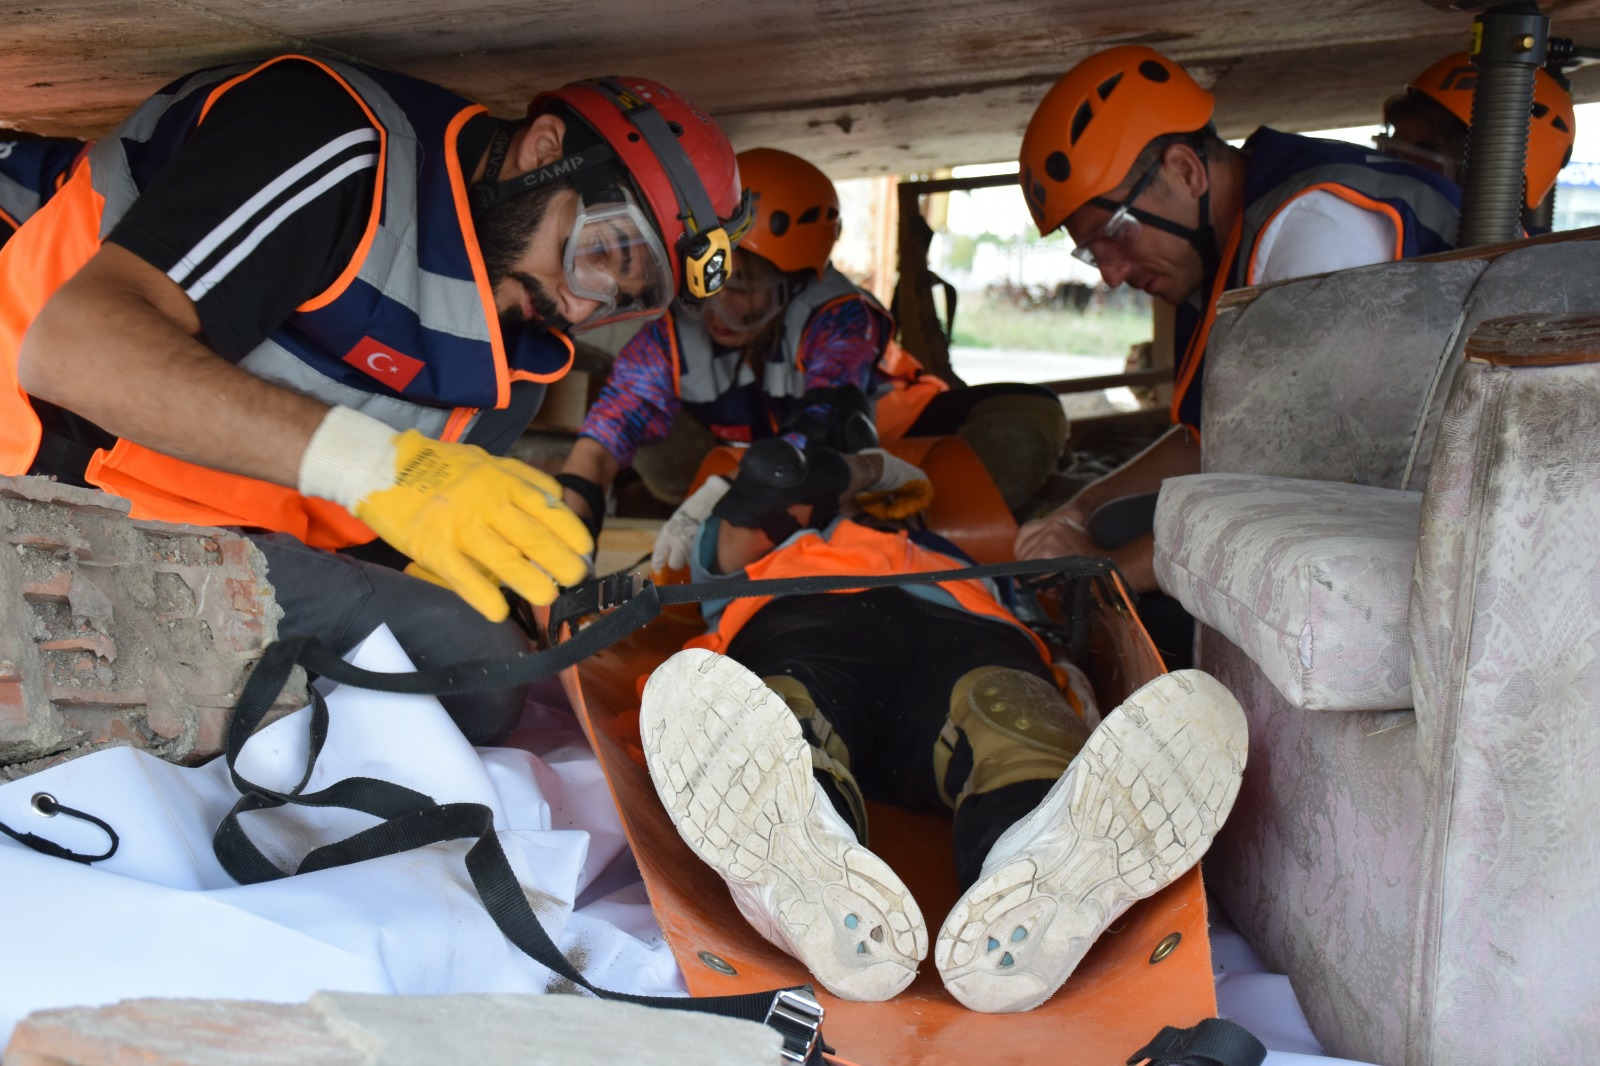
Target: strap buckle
592,597
797,1016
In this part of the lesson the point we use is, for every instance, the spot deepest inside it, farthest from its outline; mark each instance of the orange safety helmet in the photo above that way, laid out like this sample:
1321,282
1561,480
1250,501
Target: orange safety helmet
1090,127
796,210
681,163
1551,131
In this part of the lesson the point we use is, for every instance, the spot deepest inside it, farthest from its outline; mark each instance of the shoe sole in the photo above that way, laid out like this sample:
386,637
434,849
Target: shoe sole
730,764
1137,809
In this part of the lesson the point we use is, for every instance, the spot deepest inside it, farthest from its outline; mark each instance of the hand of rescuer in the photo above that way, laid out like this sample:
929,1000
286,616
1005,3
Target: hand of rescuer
470,518
901,490
675,543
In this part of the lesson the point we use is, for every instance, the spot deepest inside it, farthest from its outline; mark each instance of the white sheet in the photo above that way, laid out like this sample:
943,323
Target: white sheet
161,917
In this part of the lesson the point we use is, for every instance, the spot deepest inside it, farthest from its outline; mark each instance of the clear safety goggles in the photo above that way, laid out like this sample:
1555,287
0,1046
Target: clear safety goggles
745,304
1122,228
614,257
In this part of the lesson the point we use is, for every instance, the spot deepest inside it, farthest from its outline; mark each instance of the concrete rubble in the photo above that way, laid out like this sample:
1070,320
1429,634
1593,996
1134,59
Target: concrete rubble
115,631
346,1029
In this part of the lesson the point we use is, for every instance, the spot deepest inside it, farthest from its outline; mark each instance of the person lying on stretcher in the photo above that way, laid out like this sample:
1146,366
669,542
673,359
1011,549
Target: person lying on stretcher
764,736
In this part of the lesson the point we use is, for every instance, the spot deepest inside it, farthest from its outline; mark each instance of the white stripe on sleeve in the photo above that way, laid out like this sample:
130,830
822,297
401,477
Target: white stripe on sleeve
233,223
263,230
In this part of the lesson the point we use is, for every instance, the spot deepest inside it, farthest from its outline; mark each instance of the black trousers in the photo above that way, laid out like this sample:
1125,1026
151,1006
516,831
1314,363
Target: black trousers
881,666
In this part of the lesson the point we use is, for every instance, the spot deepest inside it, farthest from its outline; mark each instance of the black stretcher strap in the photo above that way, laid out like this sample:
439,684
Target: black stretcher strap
1213,1042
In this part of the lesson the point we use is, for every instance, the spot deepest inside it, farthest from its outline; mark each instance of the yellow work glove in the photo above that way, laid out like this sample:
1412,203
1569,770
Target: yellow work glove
471,518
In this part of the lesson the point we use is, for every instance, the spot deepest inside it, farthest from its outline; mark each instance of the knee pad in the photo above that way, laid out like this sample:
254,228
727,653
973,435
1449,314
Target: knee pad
1005,726
828,751
1019,440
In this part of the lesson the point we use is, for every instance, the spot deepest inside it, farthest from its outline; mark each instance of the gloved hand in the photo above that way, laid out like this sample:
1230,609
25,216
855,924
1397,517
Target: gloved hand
896,472
900,491
675,543
472,519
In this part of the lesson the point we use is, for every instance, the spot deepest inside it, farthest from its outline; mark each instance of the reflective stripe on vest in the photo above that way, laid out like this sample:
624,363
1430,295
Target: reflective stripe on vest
17,202
30,173
848,548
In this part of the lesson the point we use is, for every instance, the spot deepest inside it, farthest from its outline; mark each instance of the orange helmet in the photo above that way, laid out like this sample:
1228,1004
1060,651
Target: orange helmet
1090,127
1550,133
796,210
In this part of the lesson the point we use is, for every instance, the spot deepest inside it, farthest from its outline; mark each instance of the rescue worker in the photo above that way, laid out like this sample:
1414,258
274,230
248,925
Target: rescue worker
1122,153
790,344
32,169
311,300
765,735
1428,125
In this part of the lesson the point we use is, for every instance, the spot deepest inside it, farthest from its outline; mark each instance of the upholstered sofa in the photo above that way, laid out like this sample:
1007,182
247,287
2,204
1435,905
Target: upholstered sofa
1394,558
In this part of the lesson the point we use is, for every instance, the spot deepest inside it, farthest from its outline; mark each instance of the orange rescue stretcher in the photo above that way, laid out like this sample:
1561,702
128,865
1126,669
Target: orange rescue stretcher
1151,969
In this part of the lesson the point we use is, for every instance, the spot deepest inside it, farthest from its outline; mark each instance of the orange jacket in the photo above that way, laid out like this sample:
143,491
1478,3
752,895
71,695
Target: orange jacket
849,548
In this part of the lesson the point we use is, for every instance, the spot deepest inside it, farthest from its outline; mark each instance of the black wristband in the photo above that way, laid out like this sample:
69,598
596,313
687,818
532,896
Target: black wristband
593,495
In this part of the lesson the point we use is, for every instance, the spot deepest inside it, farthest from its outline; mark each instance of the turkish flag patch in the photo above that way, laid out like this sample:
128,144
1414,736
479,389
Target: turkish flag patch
393,368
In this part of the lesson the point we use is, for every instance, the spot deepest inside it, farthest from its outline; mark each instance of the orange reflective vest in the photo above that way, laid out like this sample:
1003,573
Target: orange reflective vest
419,250
849,548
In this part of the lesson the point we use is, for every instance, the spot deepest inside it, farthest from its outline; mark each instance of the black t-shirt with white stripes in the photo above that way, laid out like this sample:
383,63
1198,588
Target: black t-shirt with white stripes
265,203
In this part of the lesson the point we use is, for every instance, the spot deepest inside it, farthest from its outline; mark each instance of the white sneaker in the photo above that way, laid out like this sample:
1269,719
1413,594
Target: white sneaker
732,768
1136,809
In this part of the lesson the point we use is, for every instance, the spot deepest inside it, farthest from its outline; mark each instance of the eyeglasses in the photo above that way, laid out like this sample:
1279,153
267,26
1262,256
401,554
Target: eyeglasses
1123,225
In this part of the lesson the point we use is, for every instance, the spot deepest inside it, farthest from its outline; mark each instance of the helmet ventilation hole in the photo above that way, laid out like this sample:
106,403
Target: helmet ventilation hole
1058,166
1080,122
1110,83
810,215
1154,71
779,223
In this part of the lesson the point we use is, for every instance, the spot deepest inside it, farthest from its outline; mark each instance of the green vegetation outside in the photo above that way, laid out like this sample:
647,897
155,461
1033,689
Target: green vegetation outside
982,323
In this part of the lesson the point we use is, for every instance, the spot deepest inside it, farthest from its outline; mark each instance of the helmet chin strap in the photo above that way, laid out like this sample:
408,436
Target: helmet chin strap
1203,238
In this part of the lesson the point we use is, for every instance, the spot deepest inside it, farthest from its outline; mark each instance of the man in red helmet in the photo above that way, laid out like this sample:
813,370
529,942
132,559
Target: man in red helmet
1122,154
312,300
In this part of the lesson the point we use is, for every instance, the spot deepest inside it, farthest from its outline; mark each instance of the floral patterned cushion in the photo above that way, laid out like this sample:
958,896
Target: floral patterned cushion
1309,578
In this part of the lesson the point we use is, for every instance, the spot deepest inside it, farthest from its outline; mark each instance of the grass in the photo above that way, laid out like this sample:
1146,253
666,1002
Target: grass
982,323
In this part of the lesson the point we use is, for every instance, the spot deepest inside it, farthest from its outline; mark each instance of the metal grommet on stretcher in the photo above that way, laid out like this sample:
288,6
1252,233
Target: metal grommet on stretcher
1168,945
45,804
717,963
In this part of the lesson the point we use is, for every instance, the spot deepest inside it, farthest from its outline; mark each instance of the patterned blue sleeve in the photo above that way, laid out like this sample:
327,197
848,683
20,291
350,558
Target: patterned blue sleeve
842,344
638,404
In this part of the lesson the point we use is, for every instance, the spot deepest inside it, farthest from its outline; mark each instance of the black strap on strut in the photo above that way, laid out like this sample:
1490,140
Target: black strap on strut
1214,1042
413,820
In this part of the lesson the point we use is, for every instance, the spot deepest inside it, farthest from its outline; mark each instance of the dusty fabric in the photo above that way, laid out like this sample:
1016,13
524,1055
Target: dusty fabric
1310,578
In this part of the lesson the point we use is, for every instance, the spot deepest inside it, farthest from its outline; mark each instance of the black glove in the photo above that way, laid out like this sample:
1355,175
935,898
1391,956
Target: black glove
834,416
